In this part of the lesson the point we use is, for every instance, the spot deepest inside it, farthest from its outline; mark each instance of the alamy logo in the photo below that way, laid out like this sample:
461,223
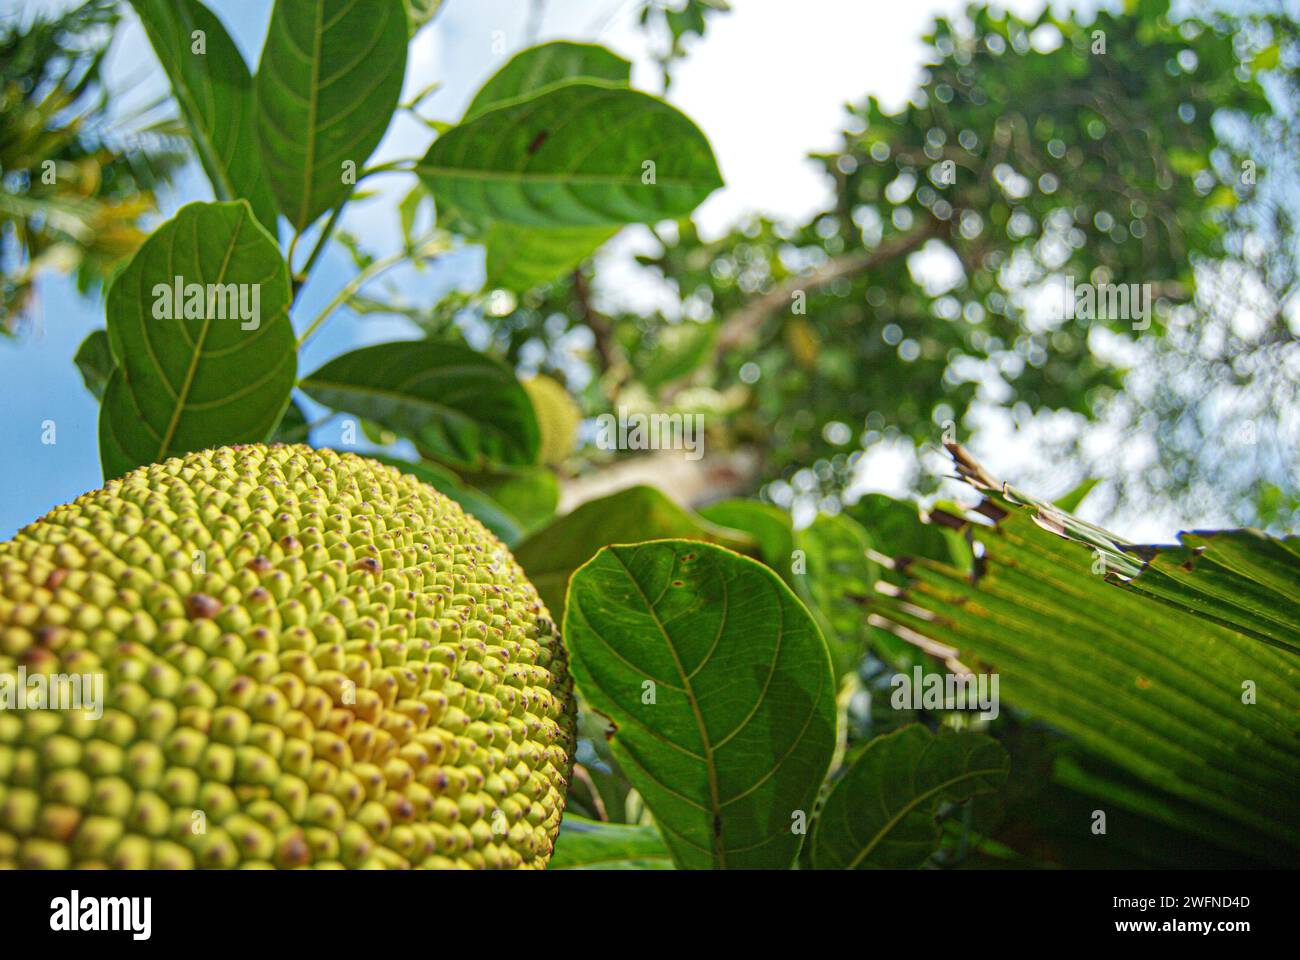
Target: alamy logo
53,691
179,300
74,913
948,691
1108,301
651,431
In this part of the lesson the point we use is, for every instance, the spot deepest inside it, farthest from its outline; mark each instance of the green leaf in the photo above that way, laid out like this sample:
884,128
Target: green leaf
194,382
214,91
329,81
1266,59
486,510
1152,828
730,741
575,155
769,525
1185,677
1073,498
408,209
94,358
520,258
678,351
531,493
831,573
881,813
1241,579
896,529
421,12
838,581
550,555
592,845
532,70
461,407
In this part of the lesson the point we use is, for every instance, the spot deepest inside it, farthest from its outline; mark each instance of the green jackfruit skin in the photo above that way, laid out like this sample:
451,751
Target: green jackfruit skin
310,659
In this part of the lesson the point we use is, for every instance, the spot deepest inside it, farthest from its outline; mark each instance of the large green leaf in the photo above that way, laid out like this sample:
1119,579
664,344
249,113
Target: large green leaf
421,12
770,526
329,81
592,845
536,68
1241,579
839,580
1042,816
94,358
719,687
576,155
896,529
520,258
881,813
1181,671
202,380
214,91
550,555
1145,826
830,571
459,406
1076,496
530,493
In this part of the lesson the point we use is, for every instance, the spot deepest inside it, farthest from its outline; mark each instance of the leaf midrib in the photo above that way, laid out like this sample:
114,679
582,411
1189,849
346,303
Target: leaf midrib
184,392
304,204
203,138
719,847
590,179
912,805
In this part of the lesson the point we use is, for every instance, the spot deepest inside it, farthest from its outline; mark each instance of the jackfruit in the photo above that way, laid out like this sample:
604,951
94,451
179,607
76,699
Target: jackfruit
558,418
308,659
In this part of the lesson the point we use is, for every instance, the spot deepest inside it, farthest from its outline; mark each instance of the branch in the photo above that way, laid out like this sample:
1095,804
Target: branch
690,483
742,325
614,369
599,325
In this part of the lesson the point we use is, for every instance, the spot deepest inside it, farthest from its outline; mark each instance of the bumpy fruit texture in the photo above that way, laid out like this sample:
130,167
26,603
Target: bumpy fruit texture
309,659
558,418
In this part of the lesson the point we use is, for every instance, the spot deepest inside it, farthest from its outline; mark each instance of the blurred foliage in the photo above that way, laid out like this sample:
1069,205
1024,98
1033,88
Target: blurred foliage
1218,393
1110,150
74,187
677,21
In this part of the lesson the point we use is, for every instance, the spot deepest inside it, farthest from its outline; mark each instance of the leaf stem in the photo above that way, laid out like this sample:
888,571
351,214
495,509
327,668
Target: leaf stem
300,277
424,248
392,166
293,246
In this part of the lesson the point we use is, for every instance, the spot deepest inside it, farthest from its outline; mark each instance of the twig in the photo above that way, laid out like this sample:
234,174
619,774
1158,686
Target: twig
392,166
597,803
293,246
742,325
300,277
425,247
599,324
